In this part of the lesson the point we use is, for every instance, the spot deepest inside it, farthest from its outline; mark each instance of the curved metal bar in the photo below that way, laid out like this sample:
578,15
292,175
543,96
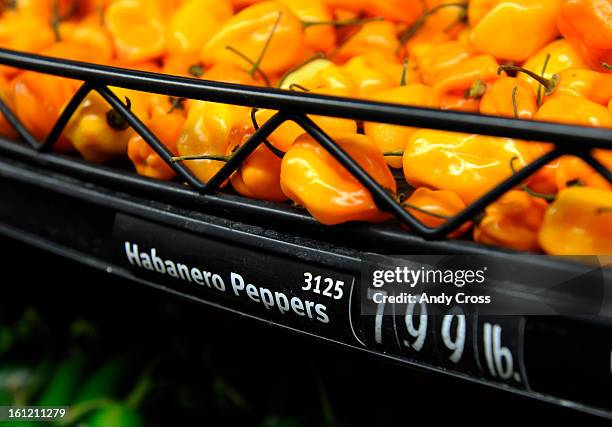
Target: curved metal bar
148,136
566,136
64,118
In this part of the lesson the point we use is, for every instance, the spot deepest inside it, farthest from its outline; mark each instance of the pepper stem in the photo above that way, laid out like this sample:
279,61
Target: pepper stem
257,64
606,66
514,104
294,86
115,120
549,84
424,211
217,158
477,90
393,153
526,189
411,31
604,210
196,70
343,23
404,72
263,75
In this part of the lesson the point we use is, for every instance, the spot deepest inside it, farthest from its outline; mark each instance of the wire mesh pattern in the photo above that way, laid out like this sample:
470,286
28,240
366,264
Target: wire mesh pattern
291,106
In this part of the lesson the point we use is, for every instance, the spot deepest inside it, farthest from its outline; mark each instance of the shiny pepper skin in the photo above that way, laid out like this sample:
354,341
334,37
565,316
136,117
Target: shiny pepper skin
194,23
378,37
468,164
311,177
436,60
320,38
38,101
512,29
259,175
147,162
579,222
96,130
562,56
391,138
453,86
510,97
440,203
585,83
587,25
249,30
575,110
512,222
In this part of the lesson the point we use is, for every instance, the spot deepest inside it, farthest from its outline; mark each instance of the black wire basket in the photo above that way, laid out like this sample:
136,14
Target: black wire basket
291,106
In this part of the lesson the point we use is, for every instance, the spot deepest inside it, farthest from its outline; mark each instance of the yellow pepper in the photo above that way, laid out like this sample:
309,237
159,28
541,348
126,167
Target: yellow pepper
553,58
270,25
512,29
462,86
512,222
470,165
98,132
311,177
579,222
392,138
195,22
510,97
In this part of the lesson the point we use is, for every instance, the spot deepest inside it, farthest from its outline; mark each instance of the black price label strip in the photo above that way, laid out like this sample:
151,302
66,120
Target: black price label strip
488,347
286,290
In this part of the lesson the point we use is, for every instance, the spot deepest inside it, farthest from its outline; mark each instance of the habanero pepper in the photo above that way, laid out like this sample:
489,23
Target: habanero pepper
550,60
393,138
512,29
378,36
38,101
462,86
147,162
510,97
587,25
579,222
513,221
434,208
468,164
311,177
435,60
259,175
138,35
208,125
194,23
98,132
264,26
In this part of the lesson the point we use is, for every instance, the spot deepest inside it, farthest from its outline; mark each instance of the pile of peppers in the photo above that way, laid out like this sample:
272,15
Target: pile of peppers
548,60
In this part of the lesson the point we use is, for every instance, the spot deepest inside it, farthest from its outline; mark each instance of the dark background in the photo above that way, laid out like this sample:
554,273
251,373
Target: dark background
214,367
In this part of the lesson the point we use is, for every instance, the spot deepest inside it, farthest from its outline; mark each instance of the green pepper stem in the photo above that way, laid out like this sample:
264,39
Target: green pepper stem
257,64
526,189
218,158
343,23
411,31
477,90
263,75
424,211
404,72
514,104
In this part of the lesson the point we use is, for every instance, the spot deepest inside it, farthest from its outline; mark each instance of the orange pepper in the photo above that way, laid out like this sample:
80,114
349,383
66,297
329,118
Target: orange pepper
160,105
470,165
576,110
579,222
573,170
269,24
147,162
24,32
512,222
462,86
441,22
392,138
311,177
321,38
39,100
259,175
512,29
555,57
99,132
434,208
437,60
91,37
587,25
194,23
138,34
510,97
395,10
377,36
183,64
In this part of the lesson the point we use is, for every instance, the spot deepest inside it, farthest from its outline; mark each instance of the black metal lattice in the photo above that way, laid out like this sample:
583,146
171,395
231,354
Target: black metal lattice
291,106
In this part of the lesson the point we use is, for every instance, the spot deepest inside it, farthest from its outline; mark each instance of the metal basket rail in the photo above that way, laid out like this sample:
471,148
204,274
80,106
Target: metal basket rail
291,106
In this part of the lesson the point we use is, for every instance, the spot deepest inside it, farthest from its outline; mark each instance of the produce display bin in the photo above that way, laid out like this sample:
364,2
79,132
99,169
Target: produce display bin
251,258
